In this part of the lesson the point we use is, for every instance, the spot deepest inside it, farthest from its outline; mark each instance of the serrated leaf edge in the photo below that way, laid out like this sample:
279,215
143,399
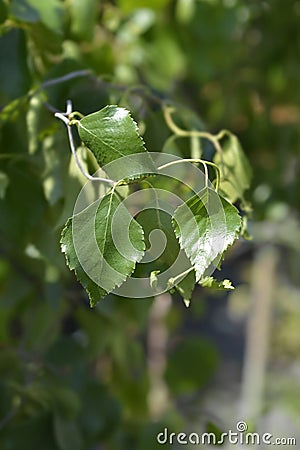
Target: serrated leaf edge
128,113
117,285
236,237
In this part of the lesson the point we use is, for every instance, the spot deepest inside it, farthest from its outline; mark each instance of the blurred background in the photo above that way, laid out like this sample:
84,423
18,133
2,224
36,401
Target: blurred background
75,378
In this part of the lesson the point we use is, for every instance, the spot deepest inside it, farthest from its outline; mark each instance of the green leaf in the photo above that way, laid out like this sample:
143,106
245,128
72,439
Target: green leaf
185,10
4,182
53,173
65,181
211,283
32,119
97,422
3,11
235,169
154,279
206,225
244,229
34,393
186,287
67,434
65,400
191,365
83,17
34,431
14,74
110,134
50,13
46,40
94,235
12,110
22,10
165,252
129,5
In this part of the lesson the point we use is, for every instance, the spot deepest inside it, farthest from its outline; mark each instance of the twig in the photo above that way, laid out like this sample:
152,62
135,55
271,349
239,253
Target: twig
197,160
141,91
180,276
50,107
65,118
214,139
63,79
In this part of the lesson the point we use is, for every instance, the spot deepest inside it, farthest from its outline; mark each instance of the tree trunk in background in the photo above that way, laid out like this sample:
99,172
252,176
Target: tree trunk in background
263,286
158,398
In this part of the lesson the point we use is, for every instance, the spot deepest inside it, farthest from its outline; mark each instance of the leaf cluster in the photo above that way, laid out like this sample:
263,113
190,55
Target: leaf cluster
205,225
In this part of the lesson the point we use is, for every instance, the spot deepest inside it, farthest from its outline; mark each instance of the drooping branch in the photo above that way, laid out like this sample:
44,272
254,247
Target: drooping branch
214,139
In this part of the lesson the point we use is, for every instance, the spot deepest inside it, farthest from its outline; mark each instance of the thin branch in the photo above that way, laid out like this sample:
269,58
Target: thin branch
69,108
58,80
63,79
86,174
65,118
62,117
181,275
197,160
141,91
221,134
205,172
50,107
167,110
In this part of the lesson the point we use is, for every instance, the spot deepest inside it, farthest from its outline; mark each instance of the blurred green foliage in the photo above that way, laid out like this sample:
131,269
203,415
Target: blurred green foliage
75,379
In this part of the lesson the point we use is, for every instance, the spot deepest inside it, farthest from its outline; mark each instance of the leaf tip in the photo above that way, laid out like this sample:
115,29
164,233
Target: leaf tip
187,302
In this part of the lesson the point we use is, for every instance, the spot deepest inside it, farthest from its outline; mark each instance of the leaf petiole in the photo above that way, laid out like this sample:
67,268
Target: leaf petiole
201,161
69,120
214,139
172,281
